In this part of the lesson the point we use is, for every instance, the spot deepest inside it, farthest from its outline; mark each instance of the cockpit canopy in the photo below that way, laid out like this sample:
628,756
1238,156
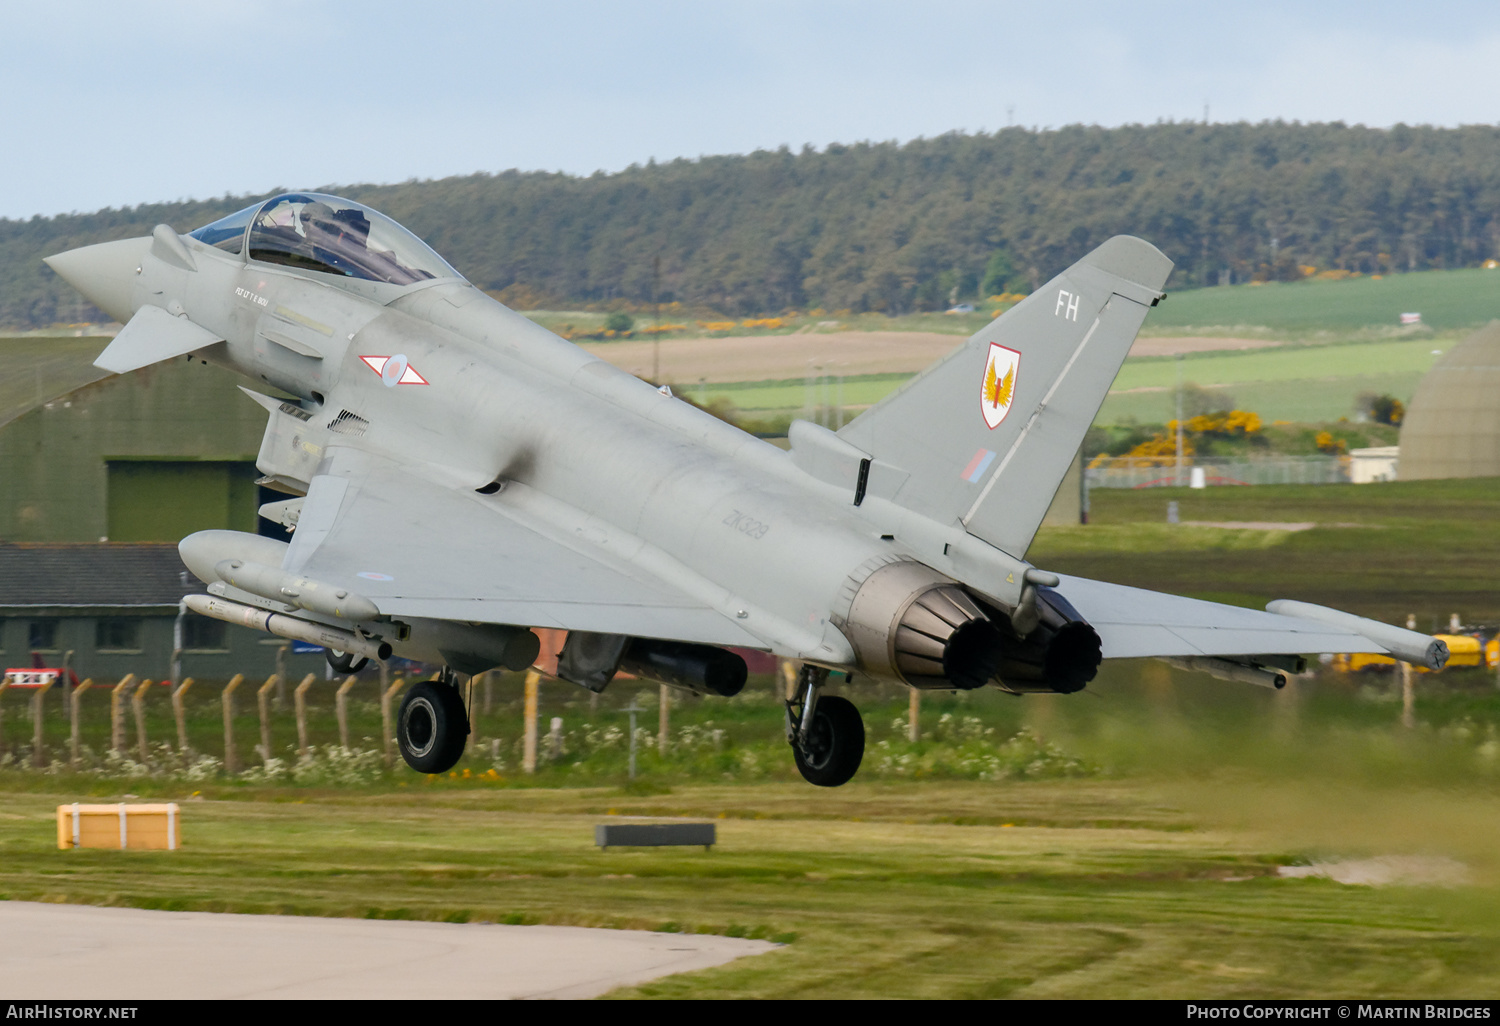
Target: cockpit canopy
315,232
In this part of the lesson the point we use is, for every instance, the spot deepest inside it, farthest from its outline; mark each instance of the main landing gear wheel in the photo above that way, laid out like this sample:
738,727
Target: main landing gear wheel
830,753
345,662
433,727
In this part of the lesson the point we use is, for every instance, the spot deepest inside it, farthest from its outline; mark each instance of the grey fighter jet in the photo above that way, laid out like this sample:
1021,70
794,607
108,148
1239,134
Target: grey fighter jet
458,475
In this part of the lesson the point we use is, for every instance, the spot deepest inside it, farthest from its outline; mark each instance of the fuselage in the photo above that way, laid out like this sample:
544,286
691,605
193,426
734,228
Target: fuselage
488,397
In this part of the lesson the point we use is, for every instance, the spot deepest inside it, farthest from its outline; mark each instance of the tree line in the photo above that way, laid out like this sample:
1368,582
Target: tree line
902,227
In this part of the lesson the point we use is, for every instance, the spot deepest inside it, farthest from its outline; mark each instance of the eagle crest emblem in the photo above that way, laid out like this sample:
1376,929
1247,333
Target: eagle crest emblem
999,390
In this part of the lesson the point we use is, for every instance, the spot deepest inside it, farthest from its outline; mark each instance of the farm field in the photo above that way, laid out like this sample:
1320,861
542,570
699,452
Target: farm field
1447,301
1303,383
1302,352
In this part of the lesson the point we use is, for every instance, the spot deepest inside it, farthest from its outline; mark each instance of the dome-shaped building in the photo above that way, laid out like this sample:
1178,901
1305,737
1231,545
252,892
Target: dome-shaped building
1452,427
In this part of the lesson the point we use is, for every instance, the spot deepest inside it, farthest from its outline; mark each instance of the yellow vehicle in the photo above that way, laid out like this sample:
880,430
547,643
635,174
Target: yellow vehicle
1363,661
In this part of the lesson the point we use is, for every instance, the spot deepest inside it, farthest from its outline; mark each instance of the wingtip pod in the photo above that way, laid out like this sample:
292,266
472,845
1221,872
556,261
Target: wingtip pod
1408,646
1133,259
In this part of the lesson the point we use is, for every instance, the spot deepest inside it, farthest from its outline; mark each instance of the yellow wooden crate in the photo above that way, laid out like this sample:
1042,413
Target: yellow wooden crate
119,826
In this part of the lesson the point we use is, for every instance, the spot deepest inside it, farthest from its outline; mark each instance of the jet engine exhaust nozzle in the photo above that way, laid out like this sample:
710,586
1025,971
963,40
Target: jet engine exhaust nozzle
910,622
1059,655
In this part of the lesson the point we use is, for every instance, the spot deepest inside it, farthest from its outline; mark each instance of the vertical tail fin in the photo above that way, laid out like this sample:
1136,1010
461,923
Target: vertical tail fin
986,434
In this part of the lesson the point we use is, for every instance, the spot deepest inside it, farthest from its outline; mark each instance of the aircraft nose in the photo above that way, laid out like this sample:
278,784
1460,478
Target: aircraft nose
104,273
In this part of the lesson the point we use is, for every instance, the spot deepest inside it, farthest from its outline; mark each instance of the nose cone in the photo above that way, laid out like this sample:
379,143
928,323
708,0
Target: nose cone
103,273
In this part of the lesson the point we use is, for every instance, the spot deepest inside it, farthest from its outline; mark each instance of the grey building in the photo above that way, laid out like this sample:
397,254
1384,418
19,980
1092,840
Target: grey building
108,609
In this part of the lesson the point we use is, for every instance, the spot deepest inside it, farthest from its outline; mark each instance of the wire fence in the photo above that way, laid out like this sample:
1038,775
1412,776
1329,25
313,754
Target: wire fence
1139,472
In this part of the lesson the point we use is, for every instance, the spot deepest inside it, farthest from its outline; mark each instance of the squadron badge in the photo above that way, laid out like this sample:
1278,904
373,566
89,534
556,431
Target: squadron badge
999,384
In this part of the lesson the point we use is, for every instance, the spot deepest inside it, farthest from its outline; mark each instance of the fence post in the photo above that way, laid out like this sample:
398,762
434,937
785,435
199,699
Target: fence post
4,686
341,698
263,699
281,652
38,750
664,720
387,737
138,706
226,700
117,715
300,698
73,703
181,715
914,716
528,751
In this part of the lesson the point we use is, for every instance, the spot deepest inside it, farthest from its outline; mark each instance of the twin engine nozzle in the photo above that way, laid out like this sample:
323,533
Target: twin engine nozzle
909,622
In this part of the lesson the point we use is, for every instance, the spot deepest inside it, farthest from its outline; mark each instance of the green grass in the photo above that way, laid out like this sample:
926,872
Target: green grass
1447,300
1302,383
1299,382
1157,879
1302,401
1290,363
1425,547
762,396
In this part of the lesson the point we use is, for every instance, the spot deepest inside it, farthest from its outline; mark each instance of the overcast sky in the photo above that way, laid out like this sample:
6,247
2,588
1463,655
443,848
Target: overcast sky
110,104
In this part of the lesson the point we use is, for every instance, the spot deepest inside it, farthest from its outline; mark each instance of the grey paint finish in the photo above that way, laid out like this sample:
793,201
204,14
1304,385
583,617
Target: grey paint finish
1070,338
461,463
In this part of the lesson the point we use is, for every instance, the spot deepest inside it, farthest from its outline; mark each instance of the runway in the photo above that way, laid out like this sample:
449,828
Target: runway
67,952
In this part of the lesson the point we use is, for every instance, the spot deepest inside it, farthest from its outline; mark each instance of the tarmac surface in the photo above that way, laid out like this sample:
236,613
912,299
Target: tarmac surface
70,952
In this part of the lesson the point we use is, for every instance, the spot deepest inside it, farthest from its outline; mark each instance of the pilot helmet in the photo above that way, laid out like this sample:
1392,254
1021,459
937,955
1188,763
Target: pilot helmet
319,213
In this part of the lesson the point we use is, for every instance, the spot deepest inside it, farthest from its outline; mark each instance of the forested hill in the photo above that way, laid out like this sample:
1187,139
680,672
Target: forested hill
896,227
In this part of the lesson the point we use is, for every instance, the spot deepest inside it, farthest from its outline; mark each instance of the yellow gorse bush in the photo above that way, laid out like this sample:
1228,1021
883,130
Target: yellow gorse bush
1234,422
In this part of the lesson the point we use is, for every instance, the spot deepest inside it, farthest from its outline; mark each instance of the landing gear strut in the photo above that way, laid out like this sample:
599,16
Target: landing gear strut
433,726
826,734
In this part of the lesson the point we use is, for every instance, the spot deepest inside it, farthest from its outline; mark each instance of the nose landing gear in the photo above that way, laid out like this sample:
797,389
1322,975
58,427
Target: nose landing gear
433,726
826,734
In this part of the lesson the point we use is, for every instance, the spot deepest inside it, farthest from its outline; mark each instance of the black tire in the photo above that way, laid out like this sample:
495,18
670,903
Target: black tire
432,728
835,744
345,662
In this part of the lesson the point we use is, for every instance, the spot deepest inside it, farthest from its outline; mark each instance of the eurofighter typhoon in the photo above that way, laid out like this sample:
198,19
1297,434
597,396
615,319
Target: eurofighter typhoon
458,475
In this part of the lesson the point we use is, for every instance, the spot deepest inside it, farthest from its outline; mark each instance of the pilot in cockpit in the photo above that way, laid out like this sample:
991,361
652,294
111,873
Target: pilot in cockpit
324,237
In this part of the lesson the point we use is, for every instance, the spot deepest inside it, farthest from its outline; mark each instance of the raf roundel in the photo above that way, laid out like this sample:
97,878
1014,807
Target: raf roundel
394,370
999,390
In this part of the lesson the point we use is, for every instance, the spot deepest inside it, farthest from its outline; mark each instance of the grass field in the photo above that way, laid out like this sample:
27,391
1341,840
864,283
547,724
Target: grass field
1156,875
1425,547
1447,300
1302,382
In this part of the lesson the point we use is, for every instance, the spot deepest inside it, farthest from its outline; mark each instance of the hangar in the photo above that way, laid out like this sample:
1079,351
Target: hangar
102,477
1452,427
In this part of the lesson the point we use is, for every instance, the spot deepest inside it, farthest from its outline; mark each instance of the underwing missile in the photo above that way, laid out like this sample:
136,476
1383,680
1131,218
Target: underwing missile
284,626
